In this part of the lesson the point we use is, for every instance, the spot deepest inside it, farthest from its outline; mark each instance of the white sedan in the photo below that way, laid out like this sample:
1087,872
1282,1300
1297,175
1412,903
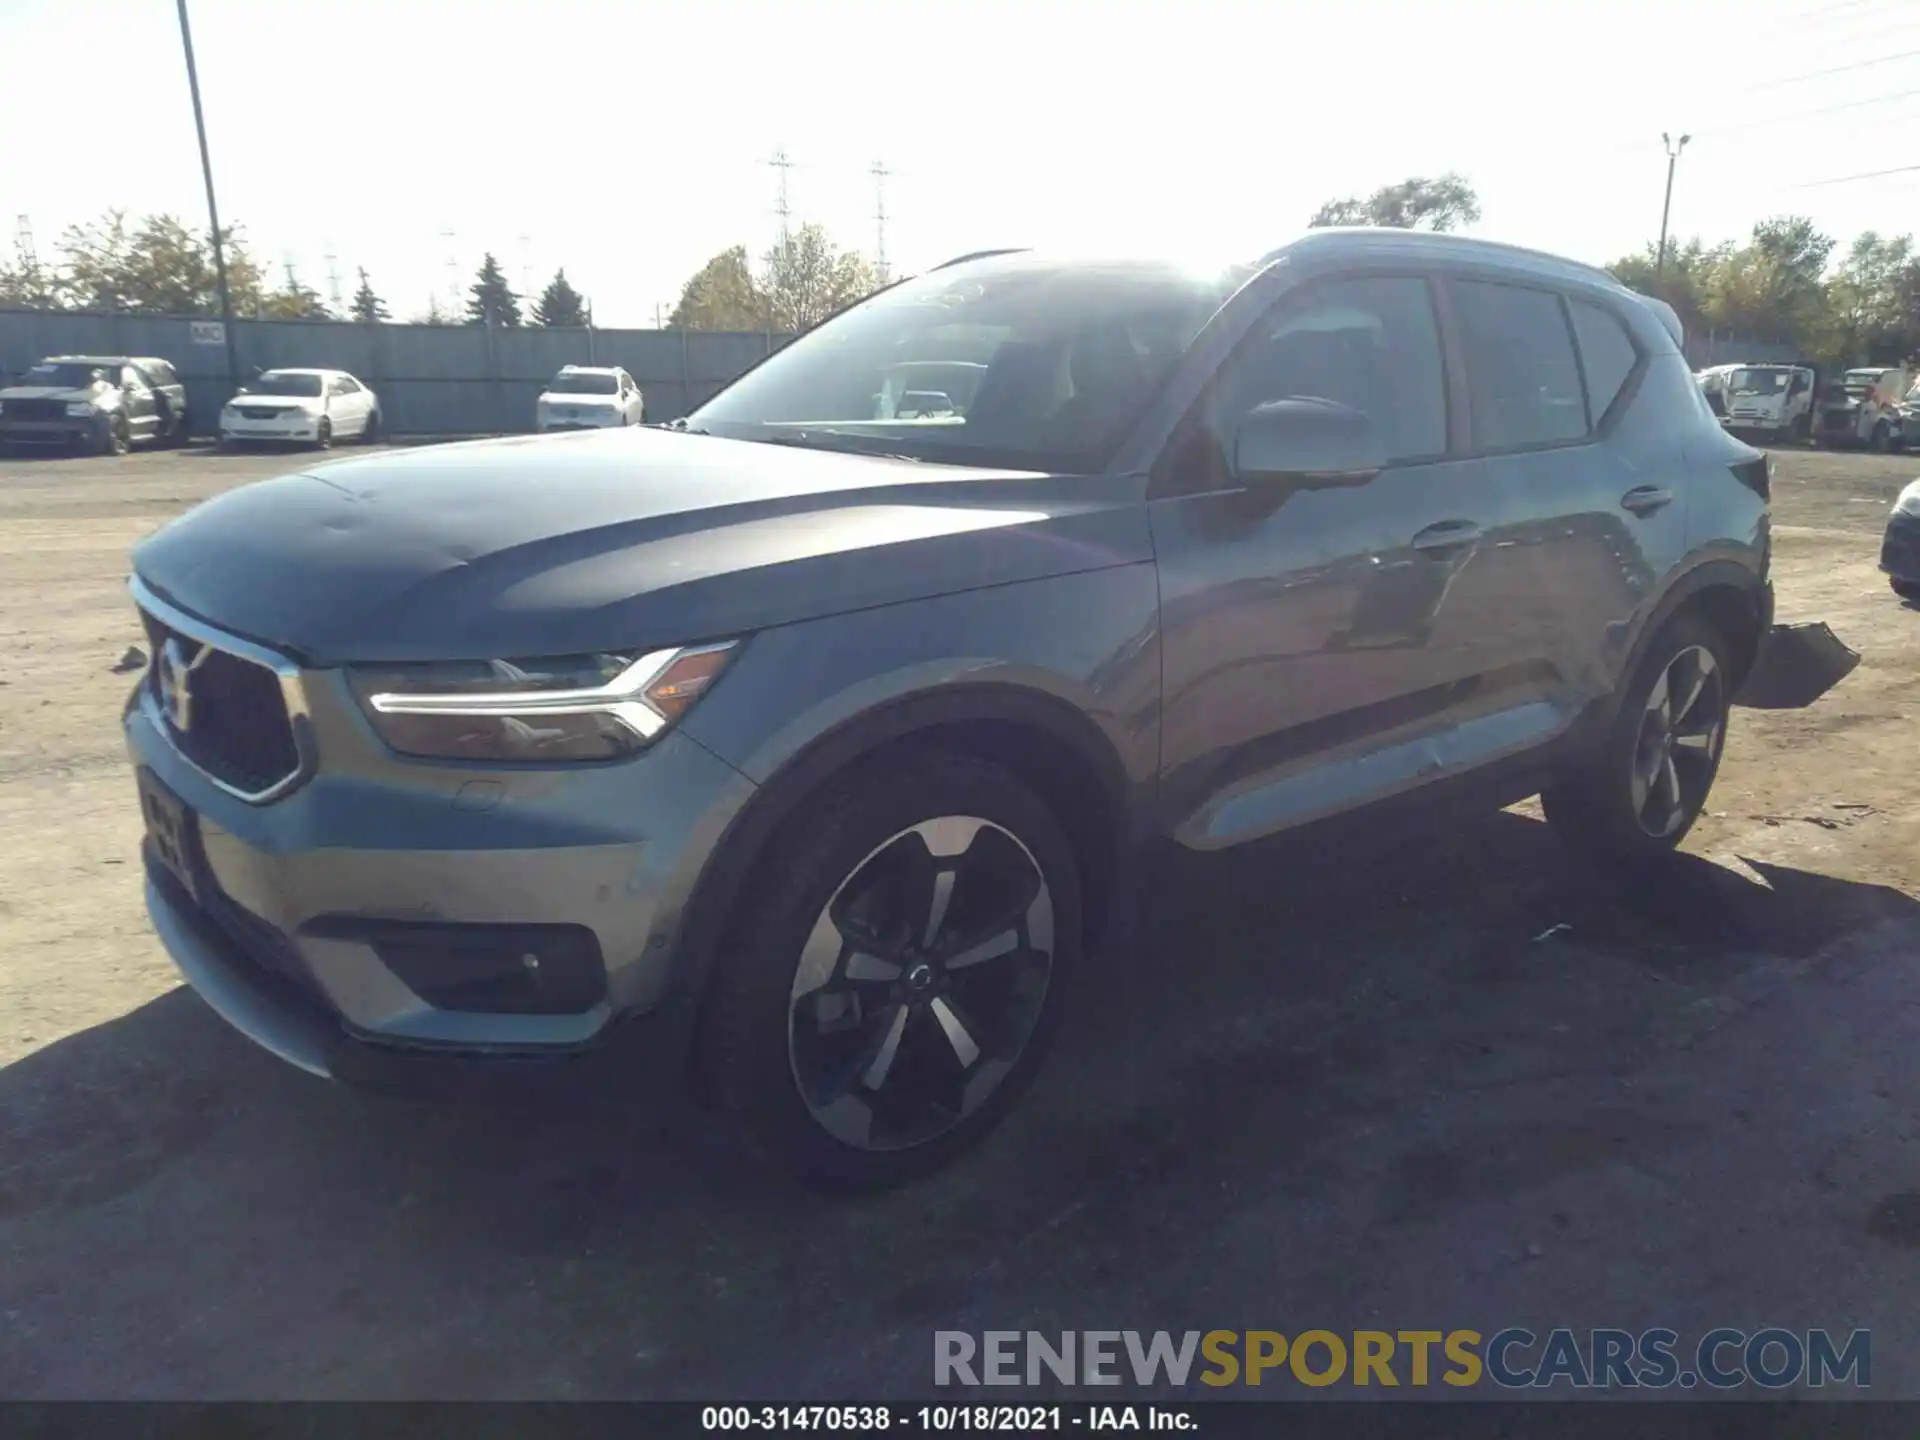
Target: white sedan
588,397
310,407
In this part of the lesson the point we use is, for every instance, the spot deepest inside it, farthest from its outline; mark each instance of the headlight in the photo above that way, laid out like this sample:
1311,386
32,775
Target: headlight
1909,501
80,407
572,707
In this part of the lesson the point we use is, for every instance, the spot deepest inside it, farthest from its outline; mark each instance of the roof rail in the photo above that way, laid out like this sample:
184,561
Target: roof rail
982,255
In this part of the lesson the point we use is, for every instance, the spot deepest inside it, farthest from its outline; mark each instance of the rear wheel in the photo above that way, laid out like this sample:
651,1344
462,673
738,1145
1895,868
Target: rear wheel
1908,590
371,434
1636,798
899,978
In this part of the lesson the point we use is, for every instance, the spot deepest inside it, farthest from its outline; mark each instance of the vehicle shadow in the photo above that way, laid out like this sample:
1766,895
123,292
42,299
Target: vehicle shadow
182,1216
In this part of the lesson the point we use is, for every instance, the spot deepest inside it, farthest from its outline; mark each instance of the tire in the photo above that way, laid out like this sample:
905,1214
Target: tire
1599,808
862,1081
323,434
119,439
1883,438
1908,590
371,434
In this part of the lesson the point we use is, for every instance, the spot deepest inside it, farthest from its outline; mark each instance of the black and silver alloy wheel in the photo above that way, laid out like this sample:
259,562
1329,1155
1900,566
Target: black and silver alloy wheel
1678,747
921,983
1635,795
901,957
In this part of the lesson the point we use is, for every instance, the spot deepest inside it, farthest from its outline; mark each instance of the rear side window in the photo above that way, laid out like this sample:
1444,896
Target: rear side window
1606,354
1522,379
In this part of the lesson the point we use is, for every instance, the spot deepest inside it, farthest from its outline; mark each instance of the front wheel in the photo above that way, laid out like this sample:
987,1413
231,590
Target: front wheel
323,434
1636,798
899,976
1883,438
119,438
1908,590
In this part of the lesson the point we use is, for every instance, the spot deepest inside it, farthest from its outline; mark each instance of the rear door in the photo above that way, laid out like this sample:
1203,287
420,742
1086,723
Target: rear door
1591,498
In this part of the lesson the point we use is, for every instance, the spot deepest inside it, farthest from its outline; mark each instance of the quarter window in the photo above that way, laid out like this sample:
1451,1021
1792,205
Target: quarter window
1606,355
1522,378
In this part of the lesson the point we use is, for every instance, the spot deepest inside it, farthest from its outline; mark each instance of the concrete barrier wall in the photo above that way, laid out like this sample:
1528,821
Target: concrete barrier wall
431,379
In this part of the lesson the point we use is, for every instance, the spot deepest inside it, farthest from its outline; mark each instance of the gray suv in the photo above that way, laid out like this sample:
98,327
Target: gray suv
805,746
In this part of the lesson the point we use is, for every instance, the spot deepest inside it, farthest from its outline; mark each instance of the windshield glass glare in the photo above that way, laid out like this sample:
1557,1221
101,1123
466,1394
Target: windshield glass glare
276,382
1020,365
583,385
64,376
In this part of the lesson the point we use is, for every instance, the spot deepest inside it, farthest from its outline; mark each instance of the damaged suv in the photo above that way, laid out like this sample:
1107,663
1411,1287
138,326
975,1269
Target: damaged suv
100,403
805,745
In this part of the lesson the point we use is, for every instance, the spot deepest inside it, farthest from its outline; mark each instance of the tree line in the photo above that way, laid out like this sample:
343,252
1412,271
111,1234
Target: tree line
159,265
1785,284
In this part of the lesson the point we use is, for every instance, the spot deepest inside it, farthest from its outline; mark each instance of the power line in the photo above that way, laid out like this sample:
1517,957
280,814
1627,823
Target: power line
1837,70
1774,120
1863,175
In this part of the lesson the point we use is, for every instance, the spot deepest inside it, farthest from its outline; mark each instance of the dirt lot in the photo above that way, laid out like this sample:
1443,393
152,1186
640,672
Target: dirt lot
1297,1106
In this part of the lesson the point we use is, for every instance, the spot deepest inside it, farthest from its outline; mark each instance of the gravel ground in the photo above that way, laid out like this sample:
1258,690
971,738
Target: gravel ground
1329,1090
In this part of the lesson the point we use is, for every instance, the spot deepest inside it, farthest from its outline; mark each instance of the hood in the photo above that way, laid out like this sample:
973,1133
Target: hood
606,540
280,402
49,392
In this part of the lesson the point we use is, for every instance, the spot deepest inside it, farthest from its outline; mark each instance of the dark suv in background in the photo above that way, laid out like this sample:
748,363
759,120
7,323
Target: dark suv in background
102,403
806,744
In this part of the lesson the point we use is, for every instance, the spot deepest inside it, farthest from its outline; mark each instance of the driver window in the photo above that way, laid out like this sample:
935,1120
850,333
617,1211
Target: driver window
1370,344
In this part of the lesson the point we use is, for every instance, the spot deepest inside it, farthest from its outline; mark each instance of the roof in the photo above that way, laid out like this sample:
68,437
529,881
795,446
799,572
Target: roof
589,369
297,370
1375,240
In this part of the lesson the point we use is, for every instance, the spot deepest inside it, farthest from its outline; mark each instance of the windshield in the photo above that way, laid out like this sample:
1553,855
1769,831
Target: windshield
63,374
583,385
1029,365
281,382
1760,382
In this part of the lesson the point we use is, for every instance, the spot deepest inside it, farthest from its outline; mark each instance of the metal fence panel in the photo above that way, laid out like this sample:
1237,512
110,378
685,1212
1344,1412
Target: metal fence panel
431,379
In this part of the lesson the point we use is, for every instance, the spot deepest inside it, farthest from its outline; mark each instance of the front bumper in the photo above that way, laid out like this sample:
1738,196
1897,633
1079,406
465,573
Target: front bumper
289,930
570,419
238,429
1900,550
73,432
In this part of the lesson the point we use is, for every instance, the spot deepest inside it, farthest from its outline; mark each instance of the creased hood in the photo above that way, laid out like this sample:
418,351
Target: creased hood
599,541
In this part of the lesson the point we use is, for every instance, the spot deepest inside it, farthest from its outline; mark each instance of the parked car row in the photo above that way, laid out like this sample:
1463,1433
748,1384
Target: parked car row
106,404
1874,406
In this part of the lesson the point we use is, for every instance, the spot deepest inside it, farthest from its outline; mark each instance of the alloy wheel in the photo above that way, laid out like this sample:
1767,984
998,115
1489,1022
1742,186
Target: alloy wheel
1678,747
921,983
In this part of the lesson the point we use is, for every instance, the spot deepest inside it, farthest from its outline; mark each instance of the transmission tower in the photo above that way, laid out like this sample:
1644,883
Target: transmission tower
23,246
880,174
333,280
526,266
453,272
781,165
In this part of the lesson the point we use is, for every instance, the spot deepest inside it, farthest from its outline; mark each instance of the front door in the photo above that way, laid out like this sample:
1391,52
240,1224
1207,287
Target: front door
1319,642
141,409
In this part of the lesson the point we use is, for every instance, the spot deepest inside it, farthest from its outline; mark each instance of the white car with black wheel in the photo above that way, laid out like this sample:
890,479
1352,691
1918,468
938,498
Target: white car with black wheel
300,407
589,397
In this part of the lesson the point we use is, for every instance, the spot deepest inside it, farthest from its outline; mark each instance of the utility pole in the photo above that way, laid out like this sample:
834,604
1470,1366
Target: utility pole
1666,206
213,210
880,174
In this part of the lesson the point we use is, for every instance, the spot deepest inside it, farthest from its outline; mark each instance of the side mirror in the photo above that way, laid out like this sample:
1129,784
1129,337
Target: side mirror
1307,442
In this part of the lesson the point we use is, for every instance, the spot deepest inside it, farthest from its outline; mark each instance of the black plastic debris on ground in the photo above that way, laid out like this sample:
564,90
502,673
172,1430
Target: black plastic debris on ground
1797,664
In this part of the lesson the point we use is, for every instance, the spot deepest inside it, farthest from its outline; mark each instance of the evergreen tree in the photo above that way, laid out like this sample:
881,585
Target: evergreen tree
490,301
560,304
368,308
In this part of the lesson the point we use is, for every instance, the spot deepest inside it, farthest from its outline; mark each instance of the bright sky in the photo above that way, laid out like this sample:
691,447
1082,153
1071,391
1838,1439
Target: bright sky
628,141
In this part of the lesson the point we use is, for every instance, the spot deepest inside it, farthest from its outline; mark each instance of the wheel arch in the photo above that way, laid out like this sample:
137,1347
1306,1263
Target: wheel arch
1048,744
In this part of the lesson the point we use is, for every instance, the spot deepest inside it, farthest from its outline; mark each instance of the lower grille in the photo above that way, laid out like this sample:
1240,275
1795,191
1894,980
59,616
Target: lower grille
260,412
226,714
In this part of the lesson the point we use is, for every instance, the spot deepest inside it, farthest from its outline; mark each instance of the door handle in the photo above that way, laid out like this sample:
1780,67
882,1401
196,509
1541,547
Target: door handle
1645,499
1447,538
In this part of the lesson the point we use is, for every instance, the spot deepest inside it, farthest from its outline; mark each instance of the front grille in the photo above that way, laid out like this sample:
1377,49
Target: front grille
237,727
260,412
36,409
